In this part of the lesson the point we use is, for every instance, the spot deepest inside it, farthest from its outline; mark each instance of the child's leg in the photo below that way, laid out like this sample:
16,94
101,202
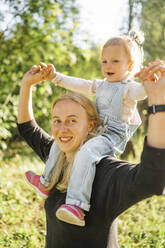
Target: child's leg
34,181
40,183
82,176
83,172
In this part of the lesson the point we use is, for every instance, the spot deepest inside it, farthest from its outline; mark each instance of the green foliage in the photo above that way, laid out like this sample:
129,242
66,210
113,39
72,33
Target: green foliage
149,15
142,225
153,25
22,220
41,30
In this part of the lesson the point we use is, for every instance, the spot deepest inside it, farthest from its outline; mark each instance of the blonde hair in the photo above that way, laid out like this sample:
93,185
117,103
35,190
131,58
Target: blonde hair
62,169
132,43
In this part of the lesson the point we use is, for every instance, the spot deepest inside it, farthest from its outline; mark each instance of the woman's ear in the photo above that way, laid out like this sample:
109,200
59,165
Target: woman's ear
91,125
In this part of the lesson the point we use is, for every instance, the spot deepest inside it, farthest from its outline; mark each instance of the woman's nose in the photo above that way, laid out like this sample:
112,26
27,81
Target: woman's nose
63,126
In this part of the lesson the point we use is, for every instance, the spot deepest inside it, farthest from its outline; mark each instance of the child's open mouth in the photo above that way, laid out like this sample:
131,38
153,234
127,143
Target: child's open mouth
110,73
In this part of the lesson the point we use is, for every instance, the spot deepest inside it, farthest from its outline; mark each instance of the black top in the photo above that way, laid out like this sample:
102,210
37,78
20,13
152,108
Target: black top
117,186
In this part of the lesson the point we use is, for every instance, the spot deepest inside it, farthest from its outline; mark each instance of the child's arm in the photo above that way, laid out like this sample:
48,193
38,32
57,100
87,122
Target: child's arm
136,91
78,85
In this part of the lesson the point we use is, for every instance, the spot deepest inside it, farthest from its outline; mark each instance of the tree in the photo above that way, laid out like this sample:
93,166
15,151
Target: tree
40,30
153,25
149,16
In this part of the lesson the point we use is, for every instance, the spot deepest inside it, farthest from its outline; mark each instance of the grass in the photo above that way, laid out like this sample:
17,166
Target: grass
22,217
143,225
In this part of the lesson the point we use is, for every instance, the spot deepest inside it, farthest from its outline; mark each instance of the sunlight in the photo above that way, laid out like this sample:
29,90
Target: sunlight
103,19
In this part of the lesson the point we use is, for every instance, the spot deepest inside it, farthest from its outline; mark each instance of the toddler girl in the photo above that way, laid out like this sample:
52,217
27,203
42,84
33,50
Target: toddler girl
116,101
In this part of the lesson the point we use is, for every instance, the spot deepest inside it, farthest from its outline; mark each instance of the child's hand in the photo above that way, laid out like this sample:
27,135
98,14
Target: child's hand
49,71
158,67
145,74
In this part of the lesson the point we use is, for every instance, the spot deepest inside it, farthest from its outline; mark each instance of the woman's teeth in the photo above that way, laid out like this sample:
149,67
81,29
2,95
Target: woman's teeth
65,139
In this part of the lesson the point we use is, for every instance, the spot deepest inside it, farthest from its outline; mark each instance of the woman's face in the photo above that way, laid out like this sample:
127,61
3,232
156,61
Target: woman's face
70,126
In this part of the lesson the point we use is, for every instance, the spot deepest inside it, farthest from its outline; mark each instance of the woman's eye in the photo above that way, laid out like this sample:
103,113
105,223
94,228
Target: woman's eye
115,61
56,121
104,61
72,121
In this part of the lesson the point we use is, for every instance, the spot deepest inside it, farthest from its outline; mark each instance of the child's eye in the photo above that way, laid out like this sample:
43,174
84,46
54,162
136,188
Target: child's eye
115,61
104,61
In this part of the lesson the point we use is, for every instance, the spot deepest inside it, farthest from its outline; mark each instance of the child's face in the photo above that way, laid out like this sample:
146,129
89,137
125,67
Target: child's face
115,63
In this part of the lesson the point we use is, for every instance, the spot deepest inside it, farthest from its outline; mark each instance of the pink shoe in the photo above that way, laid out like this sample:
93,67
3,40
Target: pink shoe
34,180
71,214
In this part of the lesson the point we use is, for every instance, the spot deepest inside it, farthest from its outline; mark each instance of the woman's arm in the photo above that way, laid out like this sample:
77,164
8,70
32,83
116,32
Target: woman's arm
36,138
126,184
32,77
39,140
156,96
25,111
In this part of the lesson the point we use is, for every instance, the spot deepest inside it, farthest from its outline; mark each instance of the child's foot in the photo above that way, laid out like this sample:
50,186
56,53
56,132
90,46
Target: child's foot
34,181
71,214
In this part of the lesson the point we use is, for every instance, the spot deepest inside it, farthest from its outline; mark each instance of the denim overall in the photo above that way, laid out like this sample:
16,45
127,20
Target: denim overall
112,142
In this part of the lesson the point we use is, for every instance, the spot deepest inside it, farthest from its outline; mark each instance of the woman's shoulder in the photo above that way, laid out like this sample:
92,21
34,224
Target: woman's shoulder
39,140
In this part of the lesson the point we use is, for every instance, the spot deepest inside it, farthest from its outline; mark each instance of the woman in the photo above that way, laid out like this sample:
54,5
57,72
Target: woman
118,184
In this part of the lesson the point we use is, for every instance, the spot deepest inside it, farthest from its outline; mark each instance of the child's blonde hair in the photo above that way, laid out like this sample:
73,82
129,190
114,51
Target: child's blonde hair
132,43
62,169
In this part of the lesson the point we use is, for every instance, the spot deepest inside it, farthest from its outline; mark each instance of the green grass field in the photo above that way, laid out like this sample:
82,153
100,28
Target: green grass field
22,220
22,217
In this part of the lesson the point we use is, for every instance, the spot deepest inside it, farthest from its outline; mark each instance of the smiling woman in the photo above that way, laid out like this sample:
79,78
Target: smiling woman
74,121
116,101
70,126
117,184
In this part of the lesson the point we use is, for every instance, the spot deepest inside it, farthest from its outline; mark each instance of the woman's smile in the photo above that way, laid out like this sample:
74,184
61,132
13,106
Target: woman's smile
65,139
70,125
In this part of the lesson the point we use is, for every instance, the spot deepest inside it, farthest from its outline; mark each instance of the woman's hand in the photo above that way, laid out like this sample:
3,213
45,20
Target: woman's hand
34,76
39,73
153,79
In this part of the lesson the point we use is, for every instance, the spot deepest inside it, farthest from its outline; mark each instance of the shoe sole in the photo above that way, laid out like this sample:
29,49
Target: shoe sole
63,215
34,187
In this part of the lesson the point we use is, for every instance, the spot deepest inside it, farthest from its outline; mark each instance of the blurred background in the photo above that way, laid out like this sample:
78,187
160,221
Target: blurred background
69,34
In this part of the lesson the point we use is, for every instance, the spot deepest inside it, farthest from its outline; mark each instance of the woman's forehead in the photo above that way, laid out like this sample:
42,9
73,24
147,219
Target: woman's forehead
65,103
67,107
